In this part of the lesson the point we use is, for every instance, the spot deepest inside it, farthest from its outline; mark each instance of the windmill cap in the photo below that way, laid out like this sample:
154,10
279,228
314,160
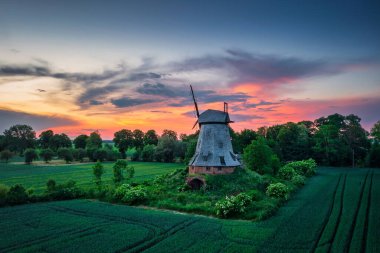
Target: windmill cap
214,116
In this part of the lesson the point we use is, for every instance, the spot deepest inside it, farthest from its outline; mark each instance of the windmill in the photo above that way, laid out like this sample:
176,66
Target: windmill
214,153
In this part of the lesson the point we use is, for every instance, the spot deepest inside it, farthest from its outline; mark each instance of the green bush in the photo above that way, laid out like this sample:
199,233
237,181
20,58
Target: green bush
100,155
305,167
147,154
298,180
135,195
64,191
258,156
232,205
66,154
118,168
286,172
47,154
277,190
6,155
30,155
50,185
98,171
130,195
3,194
17,195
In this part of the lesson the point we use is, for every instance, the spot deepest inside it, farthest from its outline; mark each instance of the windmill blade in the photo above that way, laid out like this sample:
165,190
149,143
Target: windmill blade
195,102
196,122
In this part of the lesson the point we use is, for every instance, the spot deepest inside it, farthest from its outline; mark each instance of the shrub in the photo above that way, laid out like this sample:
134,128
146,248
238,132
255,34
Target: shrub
17,195
298,180
258,156
286,172
3,194
121,190
130,172
118,168
277,190
66,154
276,164
135,195
50,185
112,155
6,155
232,205
305,167
30,155
47,154
68,190
98,171
130,195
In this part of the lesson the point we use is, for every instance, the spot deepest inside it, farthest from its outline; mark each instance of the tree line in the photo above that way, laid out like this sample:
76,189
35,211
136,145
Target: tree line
335,140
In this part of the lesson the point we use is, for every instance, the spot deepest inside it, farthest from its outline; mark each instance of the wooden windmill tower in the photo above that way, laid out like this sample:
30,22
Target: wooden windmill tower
213,154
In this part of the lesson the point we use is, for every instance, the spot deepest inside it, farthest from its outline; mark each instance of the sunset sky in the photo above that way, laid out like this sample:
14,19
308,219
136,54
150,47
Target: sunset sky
80,66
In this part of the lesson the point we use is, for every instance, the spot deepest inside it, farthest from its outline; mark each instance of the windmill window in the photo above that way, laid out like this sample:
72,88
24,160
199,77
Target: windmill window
208,168
222,161
219,168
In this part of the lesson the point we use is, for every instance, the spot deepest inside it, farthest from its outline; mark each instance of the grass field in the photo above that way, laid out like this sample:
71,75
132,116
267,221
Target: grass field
36,176
337,211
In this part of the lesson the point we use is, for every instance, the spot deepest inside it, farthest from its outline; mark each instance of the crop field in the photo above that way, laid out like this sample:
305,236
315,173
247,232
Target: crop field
337,211
36,176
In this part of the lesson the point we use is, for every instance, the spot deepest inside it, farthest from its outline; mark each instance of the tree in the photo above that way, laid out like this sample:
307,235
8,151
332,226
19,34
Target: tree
375,131
79,154
30,155
165,149
373,159
66,154
243,139
150,138
118,169
123,140
94,141
80,141
100,155
6,155
138,139
60,141
44,139
170,134
293,141
258,156
20,137
147,154
98,171
3,144
47,154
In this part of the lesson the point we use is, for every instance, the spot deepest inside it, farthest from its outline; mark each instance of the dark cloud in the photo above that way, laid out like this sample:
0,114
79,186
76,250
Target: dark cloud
158,111
95,102
267,69
183,96
92,94
261,103
38,122
132,77
44,71
129,102
244,117
162,90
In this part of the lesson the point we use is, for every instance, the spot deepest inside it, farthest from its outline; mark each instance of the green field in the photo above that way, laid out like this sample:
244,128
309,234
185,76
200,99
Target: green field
337,211
36,176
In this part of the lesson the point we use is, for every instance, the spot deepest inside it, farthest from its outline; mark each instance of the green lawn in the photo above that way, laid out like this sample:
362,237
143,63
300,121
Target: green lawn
36,176
338,211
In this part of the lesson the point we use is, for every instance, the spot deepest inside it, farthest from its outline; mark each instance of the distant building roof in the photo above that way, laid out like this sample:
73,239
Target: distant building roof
214,116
